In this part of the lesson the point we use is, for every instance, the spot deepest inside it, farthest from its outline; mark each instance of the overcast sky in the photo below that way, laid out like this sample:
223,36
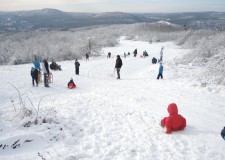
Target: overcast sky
115,5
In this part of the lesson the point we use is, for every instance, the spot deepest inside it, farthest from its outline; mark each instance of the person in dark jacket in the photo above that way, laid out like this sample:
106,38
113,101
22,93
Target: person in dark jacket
34,74
71,84
87,57
118,66
109,55
135,52
45,69
174,121
54,66
154,60
223,133
77,65
160,71
161,54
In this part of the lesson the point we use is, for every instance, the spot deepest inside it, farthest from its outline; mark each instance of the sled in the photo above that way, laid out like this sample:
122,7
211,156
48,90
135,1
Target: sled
50,78
71,86
39,77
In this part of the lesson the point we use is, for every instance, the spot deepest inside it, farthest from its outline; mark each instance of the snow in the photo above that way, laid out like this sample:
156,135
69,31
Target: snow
108,119
164,22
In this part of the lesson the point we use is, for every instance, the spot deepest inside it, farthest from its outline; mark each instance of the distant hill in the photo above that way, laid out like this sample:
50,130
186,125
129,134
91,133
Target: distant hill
56,19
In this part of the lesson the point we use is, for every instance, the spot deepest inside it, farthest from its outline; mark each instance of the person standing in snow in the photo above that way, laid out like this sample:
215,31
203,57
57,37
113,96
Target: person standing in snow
34,71
161,54
109,55
87,57
45,69
124,55
175,121
118,66
135,52
33,75
223,133
77,65
160,71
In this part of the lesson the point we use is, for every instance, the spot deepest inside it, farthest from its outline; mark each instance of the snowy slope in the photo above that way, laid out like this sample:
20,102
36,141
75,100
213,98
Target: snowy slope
109,119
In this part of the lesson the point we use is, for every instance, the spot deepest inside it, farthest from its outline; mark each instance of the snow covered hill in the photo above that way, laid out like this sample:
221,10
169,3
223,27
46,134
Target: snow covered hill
108,119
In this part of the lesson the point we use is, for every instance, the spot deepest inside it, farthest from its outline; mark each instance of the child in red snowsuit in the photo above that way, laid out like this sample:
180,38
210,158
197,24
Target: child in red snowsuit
175,121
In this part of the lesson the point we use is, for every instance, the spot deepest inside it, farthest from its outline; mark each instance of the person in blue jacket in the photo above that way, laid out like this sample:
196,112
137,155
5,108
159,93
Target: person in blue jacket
160,71
36,61
223,133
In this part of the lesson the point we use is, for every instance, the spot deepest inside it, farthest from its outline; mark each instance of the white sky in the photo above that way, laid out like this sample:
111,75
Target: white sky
115,5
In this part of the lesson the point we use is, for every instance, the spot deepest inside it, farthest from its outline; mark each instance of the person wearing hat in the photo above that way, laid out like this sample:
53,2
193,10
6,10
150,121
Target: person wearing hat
118,66
223,133
174,121
71,84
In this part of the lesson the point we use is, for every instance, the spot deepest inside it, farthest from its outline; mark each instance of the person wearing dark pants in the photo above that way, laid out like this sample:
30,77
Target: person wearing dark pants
118,73
77,65
160,71
118,66
34,75
109,55
45,68
34,71
135,52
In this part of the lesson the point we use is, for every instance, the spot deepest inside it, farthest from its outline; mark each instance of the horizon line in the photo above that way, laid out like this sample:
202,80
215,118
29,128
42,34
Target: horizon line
113,11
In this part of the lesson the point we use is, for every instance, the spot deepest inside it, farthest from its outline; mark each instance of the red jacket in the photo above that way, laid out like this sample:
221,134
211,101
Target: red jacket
175,121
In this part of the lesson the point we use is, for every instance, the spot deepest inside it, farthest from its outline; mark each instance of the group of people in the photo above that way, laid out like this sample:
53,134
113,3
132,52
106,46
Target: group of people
54,66
154,61
173,122
36,70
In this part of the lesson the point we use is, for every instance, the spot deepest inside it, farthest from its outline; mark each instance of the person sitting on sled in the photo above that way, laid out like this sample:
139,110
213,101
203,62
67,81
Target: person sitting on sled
71,84
223,133
175,121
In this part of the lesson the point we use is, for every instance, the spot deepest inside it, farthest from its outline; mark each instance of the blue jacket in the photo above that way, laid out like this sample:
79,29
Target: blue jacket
160,69
37,63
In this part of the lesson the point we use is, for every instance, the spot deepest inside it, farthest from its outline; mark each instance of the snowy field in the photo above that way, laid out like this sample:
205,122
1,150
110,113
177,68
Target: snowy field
108,119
